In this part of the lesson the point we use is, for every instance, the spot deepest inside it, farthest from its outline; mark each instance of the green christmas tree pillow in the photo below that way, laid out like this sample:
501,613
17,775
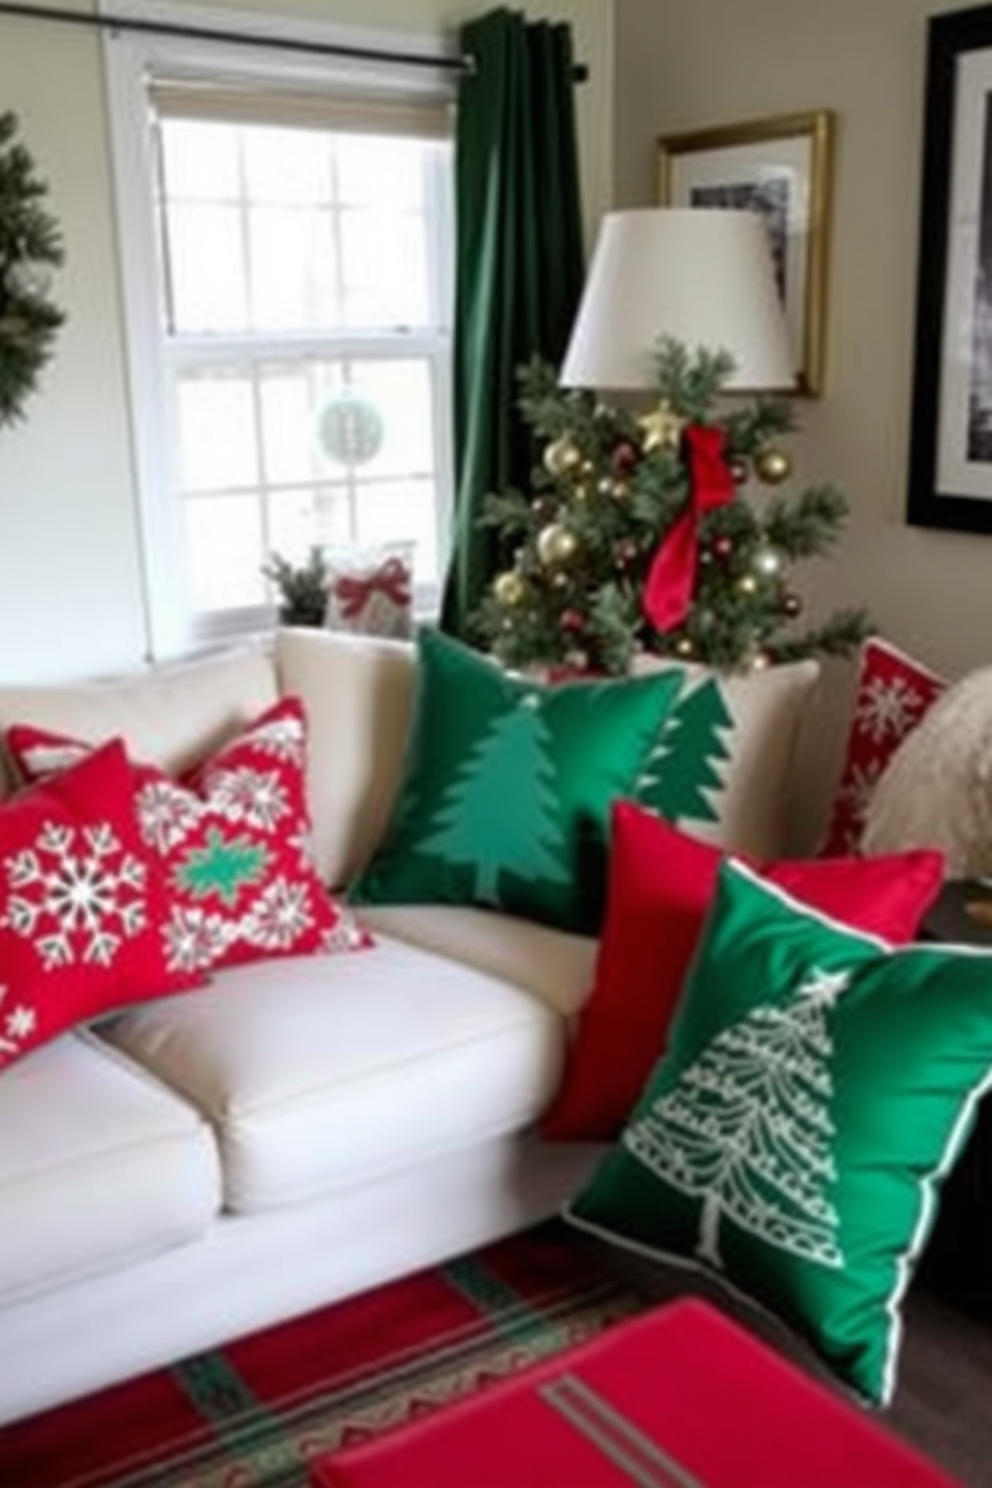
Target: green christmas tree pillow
817,1087
507,787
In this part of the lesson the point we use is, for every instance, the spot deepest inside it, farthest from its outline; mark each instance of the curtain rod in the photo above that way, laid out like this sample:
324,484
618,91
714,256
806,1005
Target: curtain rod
464,64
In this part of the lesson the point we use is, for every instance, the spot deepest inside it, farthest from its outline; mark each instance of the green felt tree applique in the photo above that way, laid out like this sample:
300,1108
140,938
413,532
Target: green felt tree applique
501,813
223,866
685,767
747,1127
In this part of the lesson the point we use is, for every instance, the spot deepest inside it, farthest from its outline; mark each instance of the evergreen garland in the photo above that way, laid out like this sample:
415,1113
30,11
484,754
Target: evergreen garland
30,245
579,546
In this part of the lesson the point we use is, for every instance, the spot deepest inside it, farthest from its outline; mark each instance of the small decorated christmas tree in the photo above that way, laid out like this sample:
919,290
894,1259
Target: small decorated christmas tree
640,533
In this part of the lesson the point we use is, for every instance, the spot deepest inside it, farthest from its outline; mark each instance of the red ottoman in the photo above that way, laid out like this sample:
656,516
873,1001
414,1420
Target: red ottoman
679,1398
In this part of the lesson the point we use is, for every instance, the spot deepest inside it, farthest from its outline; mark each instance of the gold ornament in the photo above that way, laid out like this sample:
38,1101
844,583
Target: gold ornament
561,456
556,544
509,589
766,561
582,492
747,584
760,661
684,646
662,428
772,466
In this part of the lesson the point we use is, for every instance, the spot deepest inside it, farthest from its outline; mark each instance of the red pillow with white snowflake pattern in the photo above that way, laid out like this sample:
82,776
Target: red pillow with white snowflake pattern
81,898
233,835
892,694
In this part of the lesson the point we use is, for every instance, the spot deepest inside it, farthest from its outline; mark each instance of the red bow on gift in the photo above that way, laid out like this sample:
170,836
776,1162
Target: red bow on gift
391,579
672,577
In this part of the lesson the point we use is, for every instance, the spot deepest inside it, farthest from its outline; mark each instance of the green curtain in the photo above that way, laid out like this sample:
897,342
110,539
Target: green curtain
519,265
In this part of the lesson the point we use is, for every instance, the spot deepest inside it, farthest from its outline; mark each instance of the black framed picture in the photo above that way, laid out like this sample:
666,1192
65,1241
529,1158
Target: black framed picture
950,461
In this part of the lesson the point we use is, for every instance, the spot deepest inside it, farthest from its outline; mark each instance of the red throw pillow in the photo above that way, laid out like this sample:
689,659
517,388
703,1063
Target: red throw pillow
660,885
234,837
891,696
81,898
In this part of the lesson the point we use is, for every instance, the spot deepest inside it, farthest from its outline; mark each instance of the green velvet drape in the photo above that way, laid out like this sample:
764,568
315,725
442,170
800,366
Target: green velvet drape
519,265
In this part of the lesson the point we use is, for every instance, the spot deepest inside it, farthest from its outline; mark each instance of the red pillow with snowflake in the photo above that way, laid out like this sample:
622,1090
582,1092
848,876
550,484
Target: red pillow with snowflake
81,897
233,836
892,694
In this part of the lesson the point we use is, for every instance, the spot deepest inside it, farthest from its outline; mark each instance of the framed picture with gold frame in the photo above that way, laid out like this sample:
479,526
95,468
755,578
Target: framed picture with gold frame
781,167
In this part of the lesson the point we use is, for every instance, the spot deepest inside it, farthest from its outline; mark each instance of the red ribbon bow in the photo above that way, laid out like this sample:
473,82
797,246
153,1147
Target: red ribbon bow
391,579
671,580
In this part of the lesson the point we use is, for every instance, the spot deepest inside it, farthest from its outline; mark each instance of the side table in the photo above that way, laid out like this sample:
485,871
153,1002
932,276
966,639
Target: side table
957,1263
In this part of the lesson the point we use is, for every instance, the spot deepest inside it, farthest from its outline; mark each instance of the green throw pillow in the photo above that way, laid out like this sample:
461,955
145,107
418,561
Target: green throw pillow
507,787
817,1087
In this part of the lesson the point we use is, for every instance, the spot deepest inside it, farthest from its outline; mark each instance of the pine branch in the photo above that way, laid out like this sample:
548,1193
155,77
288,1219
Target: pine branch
807,525
841,635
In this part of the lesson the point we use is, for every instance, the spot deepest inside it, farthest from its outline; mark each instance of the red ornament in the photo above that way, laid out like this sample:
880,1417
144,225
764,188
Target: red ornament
722,546
624,552
791,604
573,620
624,458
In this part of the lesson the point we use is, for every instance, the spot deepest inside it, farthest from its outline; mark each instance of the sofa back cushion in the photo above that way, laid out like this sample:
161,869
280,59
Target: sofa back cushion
358,693
170,715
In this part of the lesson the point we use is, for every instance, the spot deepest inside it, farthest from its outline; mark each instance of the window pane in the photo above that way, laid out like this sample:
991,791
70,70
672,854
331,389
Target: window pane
374,169
287,165
299,519
293,269
385,274
217,432
401,511
226,552
206,269
200,160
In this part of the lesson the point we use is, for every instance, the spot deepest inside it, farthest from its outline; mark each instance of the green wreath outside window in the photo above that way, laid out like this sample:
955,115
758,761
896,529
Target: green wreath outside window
30,246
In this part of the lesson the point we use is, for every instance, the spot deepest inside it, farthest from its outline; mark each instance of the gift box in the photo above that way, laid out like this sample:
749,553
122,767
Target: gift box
371,592
681,1397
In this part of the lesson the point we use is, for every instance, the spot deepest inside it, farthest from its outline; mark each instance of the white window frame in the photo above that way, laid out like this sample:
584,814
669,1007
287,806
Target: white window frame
131,60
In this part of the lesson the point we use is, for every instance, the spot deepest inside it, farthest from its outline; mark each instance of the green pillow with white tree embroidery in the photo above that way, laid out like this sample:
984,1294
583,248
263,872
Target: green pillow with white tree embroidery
508,784
817,1086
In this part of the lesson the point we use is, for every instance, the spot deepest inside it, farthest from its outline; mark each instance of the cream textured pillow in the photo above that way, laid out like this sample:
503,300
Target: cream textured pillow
936,790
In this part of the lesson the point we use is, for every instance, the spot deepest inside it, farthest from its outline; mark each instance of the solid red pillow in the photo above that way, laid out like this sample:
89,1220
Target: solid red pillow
892,694
659,889
81,899
233,835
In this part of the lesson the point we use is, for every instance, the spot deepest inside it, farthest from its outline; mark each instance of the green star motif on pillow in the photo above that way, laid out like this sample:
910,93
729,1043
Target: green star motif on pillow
224,866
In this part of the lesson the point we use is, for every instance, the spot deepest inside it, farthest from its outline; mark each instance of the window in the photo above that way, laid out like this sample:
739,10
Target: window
290,353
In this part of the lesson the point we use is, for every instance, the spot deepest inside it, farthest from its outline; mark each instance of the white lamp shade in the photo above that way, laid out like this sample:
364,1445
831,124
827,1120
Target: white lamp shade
703,276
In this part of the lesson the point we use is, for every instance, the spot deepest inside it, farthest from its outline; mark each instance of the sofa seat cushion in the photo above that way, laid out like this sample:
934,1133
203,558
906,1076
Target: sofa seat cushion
100,1166
323,1072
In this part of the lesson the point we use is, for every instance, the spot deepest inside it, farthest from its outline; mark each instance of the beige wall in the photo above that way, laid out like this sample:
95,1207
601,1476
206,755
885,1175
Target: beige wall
691,63
70,587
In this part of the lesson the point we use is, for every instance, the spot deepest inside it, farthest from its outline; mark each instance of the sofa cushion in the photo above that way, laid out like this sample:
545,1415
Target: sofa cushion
725,764
661,886
357,692
100,1167
82,903
507,786
818,1086
893,692
171,715
233,838
327,1072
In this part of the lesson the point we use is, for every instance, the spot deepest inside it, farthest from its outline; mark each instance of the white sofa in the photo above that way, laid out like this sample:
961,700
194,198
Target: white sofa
203,1165
302,1128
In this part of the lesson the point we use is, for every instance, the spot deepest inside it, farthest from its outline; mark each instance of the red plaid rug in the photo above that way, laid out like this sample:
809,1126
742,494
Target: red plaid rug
255,1414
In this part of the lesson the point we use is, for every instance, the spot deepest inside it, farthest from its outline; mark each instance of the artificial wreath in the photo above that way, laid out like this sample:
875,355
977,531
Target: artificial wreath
30,247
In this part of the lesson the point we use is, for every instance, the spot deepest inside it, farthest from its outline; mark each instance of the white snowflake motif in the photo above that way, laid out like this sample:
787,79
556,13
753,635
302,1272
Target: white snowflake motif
250,796
278,917
283,738
888,709
346,935
166,814
18,1026
195,939
48,759
77,895
858,789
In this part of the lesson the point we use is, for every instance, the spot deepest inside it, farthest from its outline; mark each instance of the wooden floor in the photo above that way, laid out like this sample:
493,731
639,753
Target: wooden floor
944,1398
